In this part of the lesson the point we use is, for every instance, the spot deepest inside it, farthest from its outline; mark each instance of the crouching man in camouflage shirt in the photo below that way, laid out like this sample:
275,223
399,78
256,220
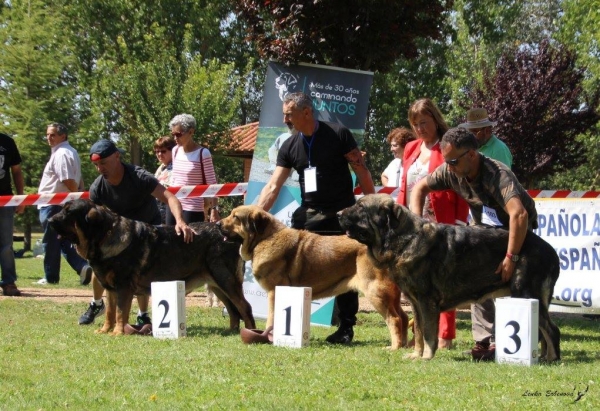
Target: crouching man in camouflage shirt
495,196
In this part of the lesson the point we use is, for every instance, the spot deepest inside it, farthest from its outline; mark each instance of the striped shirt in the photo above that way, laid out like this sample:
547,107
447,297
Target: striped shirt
187,171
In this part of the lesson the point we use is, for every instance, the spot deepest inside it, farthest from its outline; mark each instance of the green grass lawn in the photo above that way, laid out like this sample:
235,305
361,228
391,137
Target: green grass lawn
48,362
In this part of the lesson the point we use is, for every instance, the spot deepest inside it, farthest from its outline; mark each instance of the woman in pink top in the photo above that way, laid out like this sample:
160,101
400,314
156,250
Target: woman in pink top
192,165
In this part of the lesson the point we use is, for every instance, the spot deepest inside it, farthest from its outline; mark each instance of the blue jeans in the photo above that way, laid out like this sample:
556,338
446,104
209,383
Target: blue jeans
53,247
7,255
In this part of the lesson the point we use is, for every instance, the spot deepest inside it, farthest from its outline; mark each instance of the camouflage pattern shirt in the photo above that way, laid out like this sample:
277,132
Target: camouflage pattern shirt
493,187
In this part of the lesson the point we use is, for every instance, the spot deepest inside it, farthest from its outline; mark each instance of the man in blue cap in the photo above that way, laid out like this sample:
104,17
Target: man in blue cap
129,191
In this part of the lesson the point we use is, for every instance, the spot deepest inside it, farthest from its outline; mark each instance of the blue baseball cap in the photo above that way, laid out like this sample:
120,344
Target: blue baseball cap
102,149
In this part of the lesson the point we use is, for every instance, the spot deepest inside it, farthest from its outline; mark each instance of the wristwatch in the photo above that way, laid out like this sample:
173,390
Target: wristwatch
512,257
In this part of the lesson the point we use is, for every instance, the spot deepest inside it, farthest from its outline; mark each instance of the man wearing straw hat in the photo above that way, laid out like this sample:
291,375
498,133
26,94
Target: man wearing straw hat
483,314
491,146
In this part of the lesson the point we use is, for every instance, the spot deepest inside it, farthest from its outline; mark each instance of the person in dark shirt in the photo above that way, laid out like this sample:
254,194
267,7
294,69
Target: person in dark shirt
495,198
129,191
10,163
320,152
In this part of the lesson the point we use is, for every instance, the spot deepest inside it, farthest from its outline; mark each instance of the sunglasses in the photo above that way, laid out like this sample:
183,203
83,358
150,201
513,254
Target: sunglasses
160,152
177,134
454,161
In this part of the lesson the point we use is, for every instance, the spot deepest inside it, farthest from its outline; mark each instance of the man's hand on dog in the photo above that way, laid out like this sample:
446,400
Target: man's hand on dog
506,268
188,233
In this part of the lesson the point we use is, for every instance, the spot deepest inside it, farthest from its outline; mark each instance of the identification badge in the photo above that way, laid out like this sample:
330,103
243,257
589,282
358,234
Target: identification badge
490,217
310,180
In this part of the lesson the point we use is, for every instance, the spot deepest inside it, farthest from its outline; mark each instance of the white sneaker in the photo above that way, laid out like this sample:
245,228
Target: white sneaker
43,281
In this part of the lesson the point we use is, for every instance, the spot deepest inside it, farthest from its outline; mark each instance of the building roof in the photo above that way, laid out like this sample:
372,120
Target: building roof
243,140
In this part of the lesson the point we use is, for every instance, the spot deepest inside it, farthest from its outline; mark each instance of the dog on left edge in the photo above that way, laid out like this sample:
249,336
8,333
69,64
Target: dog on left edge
127,256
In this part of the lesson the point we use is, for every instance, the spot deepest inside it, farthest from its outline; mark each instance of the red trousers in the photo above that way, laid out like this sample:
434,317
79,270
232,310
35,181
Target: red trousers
447,327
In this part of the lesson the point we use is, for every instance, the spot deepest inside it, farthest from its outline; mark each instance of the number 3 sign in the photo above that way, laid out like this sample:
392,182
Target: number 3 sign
517,330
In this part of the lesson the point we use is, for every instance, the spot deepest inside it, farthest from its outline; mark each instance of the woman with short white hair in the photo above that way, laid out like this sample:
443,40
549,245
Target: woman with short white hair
192,165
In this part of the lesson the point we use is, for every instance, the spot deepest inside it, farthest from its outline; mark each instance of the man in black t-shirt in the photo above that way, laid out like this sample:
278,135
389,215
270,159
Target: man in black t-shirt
129,191
320,152
10,163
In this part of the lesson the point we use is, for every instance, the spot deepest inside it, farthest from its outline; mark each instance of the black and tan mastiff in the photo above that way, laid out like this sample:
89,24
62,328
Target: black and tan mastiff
330,265
127,256
441,266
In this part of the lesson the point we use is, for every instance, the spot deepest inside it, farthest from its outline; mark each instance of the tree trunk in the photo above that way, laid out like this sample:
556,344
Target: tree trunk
136,152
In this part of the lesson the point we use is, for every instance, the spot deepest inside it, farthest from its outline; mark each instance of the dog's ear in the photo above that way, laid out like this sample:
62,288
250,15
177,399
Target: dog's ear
394,213
93,216
259,221
255,224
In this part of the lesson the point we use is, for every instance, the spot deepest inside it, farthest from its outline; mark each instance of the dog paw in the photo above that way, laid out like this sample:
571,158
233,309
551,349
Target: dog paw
546,359
101,331
412,356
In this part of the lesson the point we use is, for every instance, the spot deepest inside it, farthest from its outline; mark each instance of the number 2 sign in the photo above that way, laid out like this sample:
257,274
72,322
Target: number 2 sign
168,309
517,330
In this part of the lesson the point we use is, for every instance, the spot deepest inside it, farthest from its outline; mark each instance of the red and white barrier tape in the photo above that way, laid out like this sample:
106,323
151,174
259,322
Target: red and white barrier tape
212,190
563,194
238,189
393,191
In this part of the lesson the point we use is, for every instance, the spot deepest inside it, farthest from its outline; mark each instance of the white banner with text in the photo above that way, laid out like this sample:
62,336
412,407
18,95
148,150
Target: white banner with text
572,227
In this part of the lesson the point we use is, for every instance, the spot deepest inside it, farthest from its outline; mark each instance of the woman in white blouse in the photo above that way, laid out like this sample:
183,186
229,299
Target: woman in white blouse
397,138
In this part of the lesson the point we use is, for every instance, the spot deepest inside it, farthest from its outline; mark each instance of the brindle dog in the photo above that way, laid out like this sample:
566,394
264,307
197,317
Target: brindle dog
441,266
127,256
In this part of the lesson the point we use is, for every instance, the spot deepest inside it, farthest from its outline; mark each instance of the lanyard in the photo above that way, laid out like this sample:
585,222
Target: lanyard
309,145
312,140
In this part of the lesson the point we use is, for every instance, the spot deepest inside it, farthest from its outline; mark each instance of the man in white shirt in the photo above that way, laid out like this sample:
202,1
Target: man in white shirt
62,174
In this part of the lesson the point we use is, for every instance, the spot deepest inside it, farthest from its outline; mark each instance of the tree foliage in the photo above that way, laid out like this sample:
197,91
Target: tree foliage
483,30
393,92
367,35
536,95
250,69
579,28
122,68
36,86
137,61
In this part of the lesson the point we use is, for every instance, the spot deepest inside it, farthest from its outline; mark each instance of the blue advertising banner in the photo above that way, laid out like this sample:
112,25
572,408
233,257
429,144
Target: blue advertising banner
339,96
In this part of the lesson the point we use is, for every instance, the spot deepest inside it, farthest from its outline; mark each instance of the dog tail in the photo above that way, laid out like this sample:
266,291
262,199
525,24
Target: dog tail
550,281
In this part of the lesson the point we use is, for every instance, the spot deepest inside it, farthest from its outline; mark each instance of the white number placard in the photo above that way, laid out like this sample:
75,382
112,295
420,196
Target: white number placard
168,309
291,323
517,330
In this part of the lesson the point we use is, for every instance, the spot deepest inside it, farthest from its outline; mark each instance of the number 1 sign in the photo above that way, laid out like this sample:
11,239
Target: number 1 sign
517,330
291,322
